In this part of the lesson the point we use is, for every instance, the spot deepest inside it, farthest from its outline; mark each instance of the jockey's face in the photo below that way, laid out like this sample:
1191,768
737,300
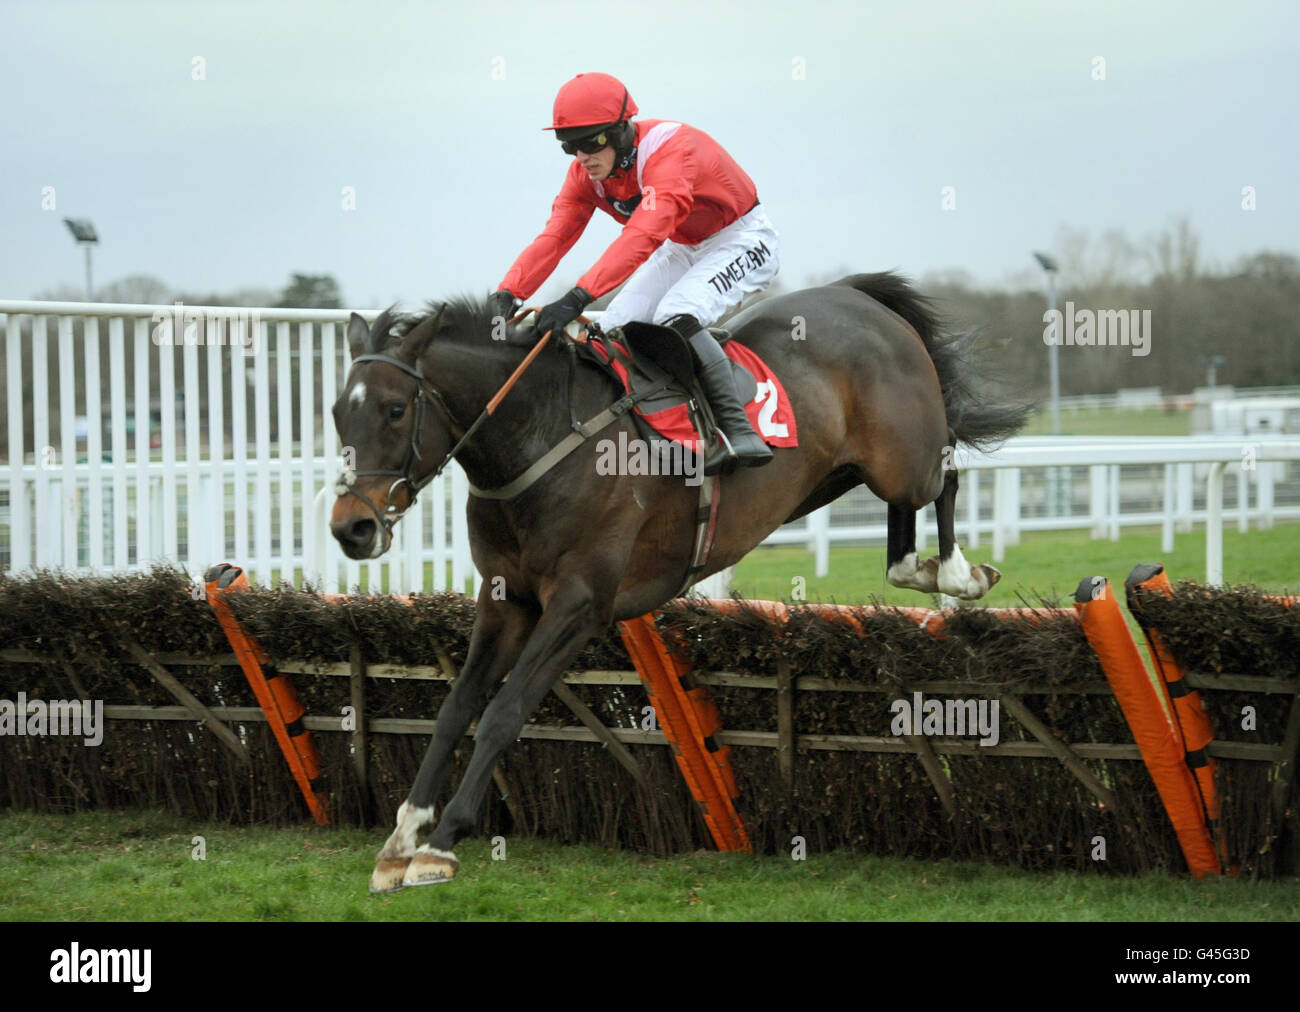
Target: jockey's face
599,165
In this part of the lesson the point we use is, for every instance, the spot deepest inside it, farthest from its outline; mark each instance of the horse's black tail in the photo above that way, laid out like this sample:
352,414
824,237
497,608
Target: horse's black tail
961,371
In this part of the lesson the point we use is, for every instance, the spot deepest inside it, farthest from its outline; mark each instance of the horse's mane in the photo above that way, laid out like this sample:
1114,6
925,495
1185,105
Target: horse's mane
464,317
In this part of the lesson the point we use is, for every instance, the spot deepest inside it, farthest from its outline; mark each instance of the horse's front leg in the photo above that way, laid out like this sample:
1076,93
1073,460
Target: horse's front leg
501,628
569,621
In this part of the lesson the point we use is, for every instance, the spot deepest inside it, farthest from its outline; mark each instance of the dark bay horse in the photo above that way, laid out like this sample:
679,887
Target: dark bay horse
880,398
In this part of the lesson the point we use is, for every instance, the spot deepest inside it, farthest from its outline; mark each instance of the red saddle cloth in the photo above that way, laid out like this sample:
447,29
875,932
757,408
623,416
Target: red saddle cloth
766,405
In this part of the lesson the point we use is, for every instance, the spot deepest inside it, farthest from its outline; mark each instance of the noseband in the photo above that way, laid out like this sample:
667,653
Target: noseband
347,479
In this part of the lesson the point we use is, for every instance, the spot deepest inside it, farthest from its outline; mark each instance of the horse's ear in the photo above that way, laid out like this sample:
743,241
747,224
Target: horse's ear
415,343
358,335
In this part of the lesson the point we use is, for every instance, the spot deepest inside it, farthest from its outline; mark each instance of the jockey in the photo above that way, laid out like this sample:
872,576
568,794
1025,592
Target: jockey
695,241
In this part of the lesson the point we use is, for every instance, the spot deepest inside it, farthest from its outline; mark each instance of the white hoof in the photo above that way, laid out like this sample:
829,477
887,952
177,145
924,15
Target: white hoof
958,578
431,867
394,860
389,874
907,574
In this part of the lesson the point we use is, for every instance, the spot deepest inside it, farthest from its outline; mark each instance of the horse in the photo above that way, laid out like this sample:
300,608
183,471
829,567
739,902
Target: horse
880,397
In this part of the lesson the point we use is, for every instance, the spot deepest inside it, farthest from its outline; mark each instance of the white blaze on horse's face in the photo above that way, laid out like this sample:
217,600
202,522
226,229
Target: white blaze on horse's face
352,423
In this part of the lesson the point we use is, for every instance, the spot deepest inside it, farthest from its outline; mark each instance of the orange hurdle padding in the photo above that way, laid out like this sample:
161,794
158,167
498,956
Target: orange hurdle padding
927,619
687,719
1192,721
779,611
1152,726
275,693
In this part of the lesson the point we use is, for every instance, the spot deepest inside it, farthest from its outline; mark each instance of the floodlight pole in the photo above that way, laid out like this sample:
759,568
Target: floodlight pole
83,231
1053,359
1057,478
1054,350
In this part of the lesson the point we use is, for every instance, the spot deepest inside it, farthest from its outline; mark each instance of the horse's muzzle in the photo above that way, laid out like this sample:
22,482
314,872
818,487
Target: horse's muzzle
360,537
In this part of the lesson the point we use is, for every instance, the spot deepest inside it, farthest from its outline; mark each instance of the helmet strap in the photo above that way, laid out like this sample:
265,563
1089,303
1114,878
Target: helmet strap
624,159
625,133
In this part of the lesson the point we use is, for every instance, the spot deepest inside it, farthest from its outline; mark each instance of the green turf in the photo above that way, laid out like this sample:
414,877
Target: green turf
138,866
1046,563
1050,562
1150,422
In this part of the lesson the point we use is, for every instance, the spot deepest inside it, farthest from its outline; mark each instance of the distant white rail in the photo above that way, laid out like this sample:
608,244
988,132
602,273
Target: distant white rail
1251,460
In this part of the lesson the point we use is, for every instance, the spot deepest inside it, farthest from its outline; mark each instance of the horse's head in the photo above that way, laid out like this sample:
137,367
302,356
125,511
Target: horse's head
394,430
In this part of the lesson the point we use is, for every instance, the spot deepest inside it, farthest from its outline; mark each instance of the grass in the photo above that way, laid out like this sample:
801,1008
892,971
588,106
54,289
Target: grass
1047,563
1110,422
138,866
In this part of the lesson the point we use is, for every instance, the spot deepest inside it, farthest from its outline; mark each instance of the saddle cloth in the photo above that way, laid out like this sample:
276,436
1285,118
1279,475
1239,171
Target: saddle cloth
667,413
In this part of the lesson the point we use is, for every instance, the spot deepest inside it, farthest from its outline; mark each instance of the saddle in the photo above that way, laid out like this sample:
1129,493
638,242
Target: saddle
656,367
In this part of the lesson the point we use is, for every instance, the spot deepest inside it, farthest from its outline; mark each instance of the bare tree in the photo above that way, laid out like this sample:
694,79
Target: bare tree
1108,263
1175,252
140,289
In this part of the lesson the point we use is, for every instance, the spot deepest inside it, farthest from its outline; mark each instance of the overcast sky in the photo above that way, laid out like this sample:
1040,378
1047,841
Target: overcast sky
850,117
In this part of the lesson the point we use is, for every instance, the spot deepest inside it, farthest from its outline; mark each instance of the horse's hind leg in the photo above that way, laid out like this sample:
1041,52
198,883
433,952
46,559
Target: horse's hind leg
902,569
948,572
500,631
957,577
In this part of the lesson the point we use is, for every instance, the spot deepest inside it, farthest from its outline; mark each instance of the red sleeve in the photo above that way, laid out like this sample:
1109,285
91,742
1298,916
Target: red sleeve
570,213
667,194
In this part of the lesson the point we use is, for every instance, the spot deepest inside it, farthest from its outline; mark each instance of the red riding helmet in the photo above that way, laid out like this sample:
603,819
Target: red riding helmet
591,100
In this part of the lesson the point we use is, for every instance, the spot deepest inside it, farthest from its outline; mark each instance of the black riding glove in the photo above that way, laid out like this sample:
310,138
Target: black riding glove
502,303
561,313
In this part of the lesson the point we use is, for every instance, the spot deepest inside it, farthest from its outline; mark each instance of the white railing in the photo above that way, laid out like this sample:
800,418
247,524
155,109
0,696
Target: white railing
228,478
1144,399
999,512
220,474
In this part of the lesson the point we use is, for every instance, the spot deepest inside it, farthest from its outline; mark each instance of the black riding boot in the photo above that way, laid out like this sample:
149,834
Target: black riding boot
741,445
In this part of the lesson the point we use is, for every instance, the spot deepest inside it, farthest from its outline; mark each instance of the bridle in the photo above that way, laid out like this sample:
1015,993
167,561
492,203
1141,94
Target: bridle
346,483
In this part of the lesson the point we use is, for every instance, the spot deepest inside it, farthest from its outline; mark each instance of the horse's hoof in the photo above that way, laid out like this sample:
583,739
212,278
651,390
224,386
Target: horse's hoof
431,867
909,575
982,579
389,874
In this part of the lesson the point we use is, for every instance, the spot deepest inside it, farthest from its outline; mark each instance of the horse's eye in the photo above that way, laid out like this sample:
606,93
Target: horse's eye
396,411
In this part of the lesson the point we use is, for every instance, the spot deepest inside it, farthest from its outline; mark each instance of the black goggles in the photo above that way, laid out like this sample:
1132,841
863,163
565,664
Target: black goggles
588,145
